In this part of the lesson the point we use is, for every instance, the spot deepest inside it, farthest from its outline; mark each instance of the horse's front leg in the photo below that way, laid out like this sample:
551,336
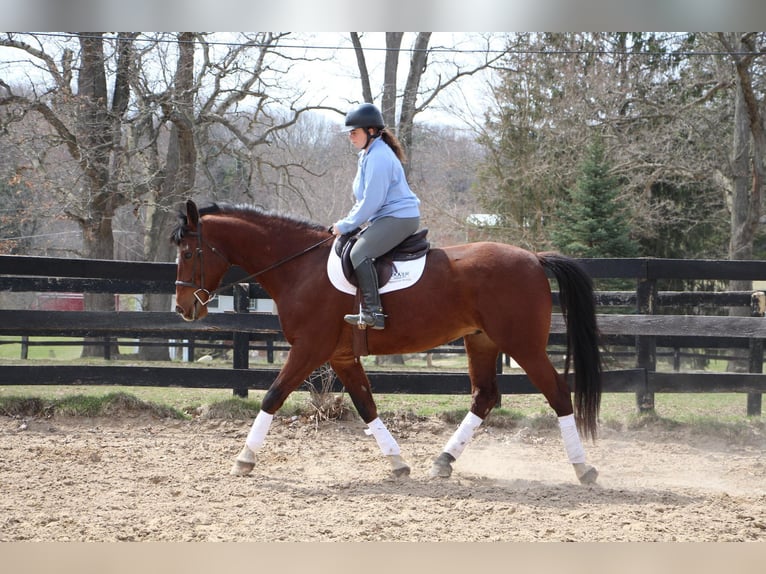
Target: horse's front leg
354,379
298,366
482,359
245,461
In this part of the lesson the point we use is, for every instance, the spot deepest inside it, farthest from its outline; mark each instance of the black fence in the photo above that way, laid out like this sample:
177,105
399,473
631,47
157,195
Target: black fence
638,327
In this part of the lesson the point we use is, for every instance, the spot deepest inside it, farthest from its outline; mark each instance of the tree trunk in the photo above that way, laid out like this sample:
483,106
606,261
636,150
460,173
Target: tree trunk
361,62
741,240
390,70
418,64
748,148
180,167
99,244
94,136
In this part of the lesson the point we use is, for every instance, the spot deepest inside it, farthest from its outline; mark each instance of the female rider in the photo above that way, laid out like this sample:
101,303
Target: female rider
384,201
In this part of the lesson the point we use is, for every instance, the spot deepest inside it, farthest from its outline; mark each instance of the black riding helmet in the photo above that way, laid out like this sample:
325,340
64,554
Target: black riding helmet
364,116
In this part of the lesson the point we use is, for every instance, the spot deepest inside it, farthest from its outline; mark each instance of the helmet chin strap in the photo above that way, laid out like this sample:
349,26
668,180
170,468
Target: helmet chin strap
370,138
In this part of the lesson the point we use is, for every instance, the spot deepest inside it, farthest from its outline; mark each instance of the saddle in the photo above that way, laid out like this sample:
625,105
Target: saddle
412,247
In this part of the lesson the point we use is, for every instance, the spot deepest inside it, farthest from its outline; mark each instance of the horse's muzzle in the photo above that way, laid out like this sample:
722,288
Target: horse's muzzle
195,312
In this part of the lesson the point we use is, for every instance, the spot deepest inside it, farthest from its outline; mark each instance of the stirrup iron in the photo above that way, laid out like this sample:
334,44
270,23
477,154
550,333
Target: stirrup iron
366,318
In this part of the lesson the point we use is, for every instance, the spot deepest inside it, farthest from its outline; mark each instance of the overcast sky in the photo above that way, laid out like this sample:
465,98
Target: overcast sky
331,77
337,83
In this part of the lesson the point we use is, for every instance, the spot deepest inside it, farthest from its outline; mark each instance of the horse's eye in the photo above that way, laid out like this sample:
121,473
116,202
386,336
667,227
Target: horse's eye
188,255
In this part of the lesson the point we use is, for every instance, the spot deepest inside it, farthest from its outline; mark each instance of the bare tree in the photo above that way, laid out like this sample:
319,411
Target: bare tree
182,105
748,146
87,125
142,143
446,173
84,122
418,93
178,175
748,142
231,112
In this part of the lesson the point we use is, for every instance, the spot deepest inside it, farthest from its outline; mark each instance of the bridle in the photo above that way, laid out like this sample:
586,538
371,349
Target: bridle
209,296
200,251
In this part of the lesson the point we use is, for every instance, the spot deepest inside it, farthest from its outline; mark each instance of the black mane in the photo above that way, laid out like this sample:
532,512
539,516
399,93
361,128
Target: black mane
243,211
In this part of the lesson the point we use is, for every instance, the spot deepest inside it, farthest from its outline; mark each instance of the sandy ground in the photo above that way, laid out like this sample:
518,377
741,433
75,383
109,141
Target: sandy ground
143,479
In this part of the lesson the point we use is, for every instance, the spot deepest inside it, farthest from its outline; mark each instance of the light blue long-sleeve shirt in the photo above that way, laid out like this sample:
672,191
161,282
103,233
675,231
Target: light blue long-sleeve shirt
380,189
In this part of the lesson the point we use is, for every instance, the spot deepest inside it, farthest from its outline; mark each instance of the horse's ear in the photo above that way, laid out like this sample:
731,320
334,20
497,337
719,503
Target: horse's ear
192,214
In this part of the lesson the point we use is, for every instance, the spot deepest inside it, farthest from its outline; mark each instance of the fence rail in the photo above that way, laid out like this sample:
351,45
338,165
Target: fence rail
644,331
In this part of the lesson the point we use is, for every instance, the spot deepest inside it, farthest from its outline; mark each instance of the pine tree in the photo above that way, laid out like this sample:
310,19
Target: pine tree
590,222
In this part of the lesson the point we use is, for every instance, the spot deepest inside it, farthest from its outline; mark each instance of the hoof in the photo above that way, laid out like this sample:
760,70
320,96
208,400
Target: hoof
240,468
586,473
244,463
399,468
442,466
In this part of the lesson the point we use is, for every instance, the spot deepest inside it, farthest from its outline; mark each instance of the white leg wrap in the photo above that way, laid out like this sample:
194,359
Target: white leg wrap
571,437
258,431
462,436
387,443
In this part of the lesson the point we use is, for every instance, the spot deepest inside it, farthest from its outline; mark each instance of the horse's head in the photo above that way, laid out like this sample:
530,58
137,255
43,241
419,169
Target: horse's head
200,266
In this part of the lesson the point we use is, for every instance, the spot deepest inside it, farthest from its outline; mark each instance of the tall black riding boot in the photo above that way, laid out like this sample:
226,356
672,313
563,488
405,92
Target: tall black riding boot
371,313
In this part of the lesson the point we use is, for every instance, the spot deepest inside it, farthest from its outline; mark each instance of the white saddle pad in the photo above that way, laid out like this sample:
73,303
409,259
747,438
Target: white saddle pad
406,274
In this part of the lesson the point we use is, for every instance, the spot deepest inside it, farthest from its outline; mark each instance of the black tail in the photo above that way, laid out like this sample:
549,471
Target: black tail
579,310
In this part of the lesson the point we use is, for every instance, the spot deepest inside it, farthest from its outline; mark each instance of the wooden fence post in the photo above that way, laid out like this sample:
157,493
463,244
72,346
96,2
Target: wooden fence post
241,342
646,346
270,349
24,346
758,309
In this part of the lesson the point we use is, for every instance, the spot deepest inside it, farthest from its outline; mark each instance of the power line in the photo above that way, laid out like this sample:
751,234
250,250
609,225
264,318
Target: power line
39,235
534,52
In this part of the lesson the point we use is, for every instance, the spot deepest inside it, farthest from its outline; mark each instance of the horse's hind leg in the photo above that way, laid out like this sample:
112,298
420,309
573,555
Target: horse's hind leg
556,391
482,368
354,379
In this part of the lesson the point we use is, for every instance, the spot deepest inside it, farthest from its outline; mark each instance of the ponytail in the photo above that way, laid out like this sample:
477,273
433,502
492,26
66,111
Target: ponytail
388,136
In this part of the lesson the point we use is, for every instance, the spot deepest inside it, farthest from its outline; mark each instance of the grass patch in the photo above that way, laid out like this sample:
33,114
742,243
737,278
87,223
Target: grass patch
704,430
180,399
505,418
454,416
83,405
719,414
111,404
233,408
67,352
15,406
651,421
499,417
731,431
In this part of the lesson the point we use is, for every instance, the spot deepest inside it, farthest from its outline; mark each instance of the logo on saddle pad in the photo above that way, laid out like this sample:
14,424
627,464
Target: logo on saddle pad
398,269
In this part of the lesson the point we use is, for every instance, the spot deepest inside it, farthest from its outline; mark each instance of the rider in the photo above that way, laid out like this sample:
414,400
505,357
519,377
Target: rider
384,200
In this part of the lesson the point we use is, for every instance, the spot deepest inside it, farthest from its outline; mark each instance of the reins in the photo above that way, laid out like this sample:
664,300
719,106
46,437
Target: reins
274,265
211,295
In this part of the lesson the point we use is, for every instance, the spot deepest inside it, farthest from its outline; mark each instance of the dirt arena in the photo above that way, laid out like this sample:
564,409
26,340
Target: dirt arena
144,479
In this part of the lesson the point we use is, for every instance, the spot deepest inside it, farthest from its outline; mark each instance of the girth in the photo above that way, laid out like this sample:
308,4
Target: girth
414,246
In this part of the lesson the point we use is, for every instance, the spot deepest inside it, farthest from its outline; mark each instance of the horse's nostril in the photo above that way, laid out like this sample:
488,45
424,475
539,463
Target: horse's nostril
179,310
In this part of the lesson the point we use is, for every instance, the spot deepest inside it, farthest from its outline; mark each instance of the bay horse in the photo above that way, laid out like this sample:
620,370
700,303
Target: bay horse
497,297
